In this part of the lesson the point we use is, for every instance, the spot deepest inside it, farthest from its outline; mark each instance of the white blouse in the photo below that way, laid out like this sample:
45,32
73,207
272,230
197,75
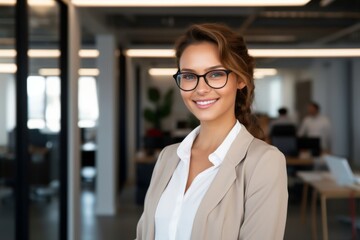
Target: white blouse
176,211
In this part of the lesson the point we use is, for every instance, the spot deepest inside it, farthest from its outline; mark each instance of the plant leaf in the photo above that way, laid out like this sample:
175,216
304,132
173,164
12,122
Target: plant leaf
154,95
150,115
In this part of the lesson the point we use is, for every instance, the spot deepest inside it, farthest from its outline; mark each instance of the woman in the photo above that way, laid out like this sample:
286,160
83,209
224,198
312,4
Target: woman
220,182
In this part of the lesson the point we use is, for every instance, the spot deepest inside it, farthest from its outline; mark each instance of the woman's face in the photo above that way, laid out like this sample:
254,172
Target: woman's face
206,103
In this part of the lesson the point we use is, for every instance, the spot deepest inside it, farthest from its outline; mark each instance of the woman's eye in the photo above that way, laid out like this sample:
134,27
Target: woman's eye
188,76
216,74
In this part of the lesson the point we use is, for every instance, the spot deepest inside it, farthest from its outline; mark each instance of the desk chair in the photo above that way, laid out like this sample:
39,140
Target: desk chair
40,179
283,136
283,130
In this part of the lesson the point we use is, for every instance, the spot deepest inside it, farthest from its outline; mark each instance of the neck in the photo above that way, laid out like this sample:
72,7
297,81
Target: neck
212,134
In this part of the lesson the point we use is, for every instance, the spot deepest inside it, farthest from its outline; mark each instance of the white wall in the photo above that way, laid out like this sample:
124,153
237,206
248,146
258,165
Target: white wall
271,93
330,79
288,80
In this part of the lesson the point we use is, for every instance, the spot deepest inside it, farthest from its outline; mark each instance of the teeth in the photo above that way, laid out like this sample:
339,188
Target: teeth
205,102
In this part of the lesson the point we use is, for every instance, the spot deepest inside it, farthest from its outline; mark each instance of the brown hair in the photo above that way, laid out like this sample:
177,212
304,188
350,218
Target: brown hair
233,56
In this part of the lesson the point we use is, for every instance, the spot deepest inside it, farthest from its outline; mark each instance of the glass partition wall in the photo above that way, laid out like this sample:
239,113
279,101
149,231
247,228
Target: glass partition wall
39,174
7,122
43,89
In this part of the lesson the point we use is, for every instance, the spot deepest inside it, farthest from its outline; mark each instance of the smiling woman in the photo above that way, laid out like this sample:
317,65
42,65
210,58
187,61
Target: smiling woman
221,181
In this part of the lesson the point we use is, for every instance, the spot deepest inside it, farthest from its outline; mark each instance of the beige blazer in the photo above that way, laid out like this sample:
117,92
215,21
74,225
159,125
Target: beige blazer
246,200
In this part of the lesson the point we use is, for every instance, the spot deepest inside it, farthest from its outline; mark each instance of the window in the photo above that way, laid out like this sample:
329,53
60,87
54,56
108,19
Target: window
52,110
88,102
44,102
36,101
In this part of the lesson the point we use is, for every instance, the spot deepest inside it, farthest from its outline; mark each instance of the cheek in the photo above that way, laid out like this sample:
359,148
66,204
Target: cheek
185,96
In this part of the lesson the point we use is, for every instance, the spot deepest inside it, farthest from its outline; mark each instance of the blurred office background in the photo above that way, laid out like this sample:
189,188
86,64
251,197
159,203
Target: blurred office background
79,82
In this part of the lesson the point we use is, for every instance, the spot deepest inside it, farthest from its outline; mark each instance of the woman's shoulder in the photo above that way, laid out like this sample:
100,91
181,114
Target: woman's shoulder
260,152
263,163
167,153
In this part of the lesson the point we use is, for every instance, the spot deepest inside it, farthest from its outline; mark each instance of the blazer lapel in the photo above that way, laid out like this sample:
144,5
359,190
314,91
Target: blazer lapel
224,178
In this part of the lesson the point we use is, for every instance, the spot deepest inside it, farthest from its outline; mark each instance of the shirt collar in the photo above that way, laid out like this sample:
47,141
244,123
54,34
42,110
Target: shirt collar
184,149
217,157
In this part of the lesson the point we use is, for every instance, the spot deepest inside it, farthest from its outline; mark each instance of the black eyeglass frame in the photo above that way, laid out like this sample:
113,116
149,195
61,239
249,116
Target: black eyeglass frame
203,75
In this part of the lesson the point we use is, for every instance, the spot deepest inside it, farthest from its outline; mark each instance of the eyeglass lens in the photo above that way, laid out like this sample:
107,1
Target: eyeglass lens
189,81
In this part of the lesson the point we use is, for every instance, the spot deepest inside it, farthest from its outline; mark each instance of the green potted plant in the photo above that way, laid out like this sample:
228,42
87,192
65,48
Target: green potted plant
161,109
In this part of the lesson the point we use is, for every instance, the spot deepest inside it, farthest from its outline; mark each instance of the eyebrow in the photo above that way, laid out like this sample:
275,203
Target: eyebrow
206,69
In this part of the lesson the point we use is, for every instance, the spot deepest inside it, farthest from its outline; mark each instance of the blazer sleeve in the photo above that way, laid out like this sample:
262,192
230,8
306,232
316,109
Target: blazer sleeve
266,198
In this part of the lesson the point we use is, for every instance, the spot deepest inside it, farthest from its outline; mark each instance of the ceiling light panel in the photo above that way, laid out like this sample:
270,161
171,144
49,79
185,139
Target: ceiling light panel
260,53
187,3
304,53
162,71
44,3
150,53
8,68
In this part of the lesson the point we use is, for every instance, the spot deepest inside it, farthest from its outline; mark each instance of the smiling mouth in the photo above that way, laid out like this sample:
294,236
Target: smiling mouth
205,102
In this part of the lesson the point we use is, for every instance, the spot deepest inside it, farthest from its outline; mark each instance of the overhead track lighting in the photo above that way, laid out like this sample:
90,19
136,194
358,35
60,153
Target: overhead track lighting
262,72
56,72
89,72
48,53
260,53
44,53
7,53
162,71
8,68
150,53
49,71
38,3
304,53
88,53
188,3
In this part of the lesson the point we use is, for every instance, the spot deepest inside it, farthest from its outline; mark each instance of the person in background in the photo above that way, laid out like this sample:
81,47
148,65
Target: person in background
221,181
283,119
316,125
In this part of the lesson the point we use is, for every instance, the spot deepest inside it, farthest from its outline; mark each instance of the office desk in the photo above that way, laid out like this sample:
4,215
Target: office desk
325,187
296,161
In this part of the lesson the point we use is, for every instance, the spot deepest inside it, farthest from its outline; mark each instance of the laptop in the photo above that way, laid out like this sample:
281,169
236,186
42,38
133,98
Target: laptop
341,171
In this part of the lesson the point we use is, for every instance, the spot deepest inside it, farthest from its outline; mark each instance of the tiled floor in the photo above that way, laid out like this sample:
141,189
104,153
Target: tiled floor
122,227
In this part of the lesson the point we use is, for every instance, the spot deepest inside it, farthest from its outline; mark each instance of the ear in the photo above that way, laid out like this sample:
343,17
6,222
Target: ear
240,84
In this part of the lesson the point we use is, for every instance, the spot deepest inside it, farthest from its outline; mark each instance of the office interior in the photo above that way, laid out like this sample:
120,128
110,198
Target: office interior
105,140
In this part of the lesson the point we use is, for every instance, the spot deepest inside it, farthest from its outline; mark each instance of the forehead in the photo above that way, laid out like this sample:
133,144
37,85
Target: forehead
200,56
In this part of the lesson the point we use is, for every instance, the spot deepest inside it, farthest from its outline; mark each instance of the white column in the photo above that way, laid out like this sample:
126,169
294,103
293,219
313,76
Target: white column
74,226
3,101
107,129
10,103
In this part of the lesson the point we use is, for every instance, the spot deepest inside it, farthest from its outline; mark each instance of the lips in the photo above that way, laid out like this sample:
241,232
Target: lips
205,103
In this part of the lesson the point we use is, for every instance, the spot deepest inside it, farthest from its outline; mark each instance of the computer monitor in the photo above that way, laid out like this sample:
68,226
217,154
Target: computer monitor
287,145
311,144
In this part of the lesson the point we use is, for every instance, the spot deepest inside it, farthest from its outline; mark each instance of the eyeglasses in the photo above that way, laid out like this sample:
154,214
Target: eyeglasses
187,81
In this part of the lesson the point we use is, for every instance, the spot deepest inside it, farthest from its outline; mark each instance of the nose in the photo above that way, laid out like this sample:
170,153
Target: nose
202,86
